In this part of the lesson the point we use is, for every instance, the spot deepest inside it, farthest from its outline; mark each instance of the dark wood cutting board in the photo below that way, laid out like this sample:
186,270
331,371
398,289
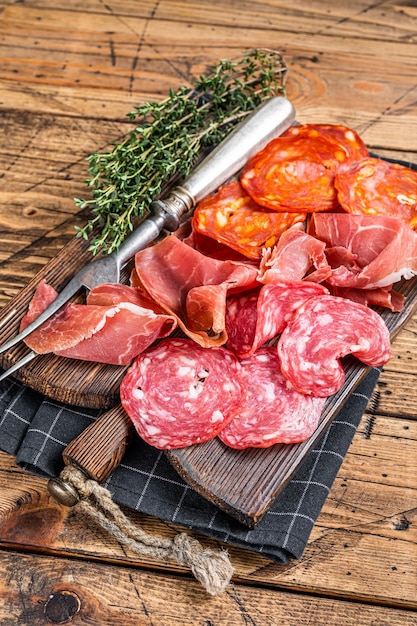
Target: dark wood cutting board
242,483
81,383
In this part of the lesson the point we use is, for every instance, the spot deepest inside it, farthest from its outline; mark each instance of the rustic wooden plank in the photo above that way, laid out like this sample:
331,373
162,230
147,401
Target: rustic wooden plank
395,388
143,55
37,590
72,83
367,507
387,20
397,394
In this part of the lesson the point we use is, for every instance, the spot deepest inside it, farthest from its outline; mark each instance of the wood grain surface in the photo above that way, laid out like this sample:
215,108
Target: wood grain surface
69,73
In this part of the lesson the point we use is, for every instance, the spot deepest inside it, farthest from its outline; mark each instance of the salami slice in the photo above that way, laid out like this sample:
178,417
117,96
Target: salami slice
254,318
372,186
295,172
324,329
178,393
231,217
273,413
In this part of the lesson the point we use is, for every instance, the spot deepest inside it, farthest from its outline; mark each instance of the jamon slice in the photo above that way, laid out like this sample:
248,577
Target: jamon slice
322,331
192,287
273,413
114,329
296,255
254,318
382,296
365,251
178,393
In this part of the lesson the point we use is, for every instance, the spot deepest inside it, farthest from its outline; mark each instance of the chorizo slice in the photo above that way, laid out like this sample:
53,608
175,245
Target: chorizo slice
233,218
372,186
295,172
347,140
323,330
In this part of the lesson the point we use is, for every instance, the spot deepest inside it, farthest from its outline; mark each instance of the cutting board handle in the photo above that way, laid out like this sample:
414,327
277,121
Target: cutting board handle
97,451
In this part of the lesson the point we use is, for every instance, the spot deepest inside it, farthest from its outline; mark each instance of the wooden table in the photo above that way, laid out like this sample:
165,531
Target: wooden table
70,71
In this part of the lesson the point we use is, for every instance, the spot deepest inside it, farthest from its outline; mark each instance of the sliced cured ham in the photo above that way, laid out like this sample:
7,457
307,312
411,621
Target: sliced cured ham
178,394
192,287
233,218
384,296
253,319
322,331
296,254
372,186
113,327
364,251
273,413
296,171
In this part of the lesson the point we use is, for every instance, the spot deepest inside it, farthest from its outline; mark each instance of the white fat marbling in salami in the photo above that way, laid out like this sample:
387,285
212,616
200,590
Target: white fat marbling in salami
274,412
324,329
254,318
178,393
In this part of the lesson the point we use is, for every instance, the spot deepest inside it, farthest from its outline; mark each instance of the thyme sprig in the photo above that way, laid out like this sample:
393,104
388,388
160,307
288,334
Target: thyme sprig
168,139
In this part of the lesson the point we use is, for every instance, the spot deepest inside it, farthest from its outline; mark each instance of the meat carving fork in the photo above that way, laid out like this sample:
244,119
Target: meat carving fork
269,120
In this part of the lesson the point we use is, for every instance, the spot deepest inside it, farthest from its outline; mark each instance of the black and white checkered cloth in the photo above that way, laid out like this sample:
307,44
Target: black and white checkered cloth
36,429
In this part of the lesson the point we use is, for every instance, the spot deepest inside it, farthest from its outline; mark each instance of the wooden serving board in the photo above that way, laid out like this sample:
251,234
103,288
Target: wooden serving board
80,383
244,483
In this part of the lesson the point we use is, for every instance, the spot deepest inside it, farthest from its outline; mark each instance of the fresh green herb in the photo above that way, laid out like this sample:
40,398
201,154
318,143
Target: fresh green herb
168,139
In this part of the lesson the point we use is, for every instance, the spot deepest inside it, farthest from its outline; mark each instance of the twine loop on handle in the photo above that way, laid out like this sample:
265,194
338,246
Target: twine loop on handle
212,569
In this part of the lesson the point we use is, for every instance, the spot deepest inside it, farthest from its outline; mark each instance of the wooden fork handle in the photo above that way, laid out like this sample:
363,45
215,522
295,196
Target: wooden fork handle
97,451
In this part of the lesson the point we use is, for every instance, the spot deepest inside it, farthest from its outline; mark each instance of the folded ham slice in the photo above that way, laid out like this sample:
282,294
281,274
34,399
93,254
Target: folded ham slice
296,254
192,287
365,251
115,325
358,257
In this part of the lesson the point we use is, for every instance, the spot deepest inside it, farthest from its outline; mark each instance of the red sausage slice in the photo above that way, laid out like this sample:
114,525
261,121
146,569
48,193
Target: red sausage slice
374,187
231,217
254,318
324,329
178,393
274,413
295,172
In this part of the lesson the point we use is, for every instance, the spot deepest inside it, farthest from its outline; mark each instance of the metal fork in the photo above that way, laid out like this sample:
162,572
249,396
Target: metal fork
269,120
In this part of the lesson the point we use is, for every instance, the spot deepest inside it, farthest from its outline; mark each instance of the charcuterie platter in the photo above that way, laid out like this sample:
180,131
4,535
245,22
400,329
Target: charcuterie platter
243,482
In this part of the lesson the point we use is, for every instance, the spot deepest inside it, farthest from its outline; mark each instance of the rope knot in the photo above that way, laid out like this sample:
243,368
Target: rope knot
84,485
212,569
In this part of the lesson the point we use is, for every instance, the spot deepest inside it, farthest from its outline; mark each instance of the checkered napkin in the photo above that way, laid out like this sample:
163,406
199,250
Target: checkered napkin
36,429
